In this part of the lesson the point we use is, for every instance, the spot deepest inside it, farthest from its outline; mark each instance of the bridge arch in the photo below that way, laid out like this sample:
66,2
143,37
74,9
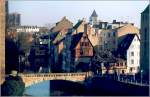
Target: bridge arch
30,79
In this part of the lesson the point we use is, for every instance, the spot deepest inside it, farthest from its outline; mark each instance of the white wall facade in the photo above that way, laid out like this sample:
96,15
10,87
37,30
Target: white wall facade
28,29
133,56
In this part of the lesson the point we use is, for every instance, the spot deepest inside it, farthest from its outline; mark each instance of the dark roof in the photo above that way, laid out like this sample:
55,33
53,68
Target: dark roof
125,44
94,14
53,35
78,24
146,10
75,40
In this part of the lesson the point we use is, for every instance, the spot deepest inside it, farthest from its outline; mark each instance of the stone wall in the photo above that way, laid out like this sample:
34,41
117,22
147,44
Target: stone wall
2,40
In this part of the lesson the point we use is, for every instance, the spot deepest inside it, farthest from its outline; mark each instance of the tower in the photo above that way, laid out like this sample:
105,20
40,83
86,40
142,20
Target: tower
93,18
145,43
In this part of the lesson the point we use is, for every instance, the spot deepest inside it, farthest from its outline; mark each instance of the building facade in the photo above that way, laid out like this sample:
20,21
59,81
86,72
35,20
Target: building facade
145,41
2,41
129,49
80,51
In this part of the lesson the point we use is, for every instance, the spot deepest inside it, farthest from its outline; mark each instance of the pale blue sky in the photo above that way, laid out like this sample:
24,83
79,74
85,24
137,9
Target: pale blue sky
43,12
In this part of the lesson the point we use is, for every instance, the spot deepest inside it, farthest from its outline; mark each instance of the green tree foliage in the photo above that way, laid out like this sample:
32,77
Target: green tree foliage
13,86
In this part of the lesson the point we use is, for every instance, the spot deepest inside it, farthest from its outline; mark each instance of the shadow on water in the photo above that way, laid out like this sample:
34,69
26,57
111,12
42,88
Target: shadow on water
98,87
64,88
55,88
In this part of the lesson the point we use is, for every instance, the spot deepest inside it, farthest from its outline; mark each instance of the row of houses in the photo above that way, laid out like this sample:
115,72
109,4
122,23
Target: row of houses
73,48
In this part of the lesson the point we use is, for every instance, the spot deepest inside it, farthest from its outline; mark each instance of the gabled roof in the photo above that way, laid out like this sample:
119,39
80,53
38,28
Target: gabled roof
127,29
75,39
94,14
125,44
53,35
63,24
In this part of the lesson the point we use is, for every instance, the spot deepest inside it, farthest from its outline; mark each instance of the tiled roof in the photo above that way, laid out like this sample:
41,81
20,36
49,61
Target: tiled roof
94,14
75,39
63,24
127,29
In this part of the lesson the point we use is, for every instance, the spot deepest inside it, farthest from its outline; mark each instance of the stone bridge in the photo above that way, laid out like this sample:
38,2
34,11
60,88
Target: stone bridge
33,78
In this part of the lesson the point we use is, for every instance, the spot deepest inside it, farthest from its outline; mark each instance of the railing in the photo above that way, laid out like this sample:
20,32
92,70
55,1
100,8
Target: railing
53,74
135,82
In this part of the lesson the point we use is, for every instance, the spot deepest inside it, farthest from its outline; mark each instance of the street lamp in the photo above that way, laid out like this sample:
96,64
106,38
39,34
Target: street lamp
141,76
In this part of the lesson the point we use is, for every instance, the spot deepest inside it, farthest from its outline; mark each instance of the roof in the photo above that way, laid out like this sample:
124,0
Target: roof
94,14
75,39
78,24
64,23
128,28
53,35
58,38
125,44
146,10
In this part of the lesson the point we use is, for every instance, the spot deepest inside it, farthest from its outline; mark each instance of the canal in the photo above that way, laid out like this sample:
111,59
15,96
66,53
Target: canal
55,88
96,87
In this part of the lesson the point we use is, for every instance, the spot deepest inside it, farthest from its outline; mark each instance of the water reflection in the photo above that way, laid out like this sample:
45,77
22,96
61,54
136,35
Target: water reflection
55,88
39,89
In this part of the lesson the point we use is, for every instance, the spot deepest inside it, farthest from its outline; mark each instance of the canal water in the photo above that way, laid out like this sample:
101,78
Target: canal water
55,88
39,89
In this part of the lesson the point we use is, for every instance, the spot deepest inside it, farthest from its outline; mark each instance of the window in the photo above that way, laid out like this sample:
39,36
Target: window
132,61
132,53
81,44
86,44
84,37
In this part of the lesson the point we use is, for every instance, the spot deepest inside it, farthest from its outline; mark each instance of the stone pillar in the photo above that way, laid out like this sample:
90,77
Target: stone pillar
2,41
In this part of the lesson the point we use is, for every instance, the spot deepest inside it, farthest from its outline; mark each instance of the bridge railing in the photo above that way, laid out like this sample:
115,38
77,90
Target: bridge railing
52,74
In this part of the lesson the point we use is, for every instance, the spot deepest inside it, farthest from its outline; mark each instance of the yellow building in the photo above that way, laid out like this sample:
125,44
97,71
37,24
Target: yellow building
2,40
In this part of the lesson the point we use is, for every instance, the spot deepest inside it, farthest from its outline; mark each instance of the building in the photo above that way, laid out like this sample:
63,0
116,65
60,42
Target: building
63,24
94,18
7,13
108,40
93,34
80,51
39,54
14,19
79,26
2,42
145,41
127,29
115,24
28,29
129,49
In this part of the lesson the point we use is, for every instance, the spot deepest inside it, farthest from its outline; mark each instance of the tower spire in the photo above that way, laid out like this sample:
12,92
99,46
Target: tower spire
94,14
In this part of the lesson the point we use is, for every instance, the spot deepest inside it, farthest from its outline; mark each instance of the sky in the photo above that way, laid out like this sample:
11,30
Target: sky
48,12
